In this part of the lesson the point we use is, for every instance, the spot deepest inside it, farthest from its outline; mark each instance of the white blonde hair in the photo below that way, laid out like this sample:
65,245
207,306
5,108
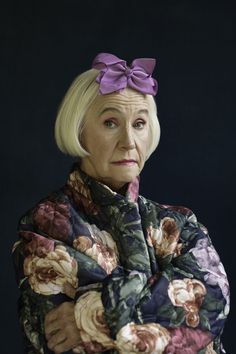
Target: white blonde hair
70,118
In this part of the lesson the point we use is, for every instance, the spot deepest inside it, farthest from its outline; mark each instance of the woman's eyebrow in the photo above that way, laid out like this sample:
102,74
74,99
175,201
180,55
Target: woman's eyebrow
145,111
110,109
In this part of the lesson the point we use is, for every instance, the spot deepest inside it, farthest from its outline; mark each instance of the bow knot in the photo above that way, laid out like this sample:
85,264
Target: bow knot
115,74
128,72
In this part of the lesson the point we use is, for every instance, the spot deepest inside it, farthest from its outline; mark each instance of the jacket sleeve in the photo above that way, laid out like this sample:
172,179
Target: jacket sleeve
191,293
48,272
40,268
185,300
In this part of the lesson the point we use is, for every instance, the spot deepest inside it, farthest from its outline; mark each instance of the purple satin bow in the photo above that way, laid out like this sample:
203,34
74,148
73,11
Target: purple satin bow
115,75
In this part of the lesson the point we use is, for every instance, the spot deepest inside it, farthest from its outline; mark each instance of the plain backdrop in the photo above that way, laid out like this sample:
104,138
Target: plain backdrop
46,44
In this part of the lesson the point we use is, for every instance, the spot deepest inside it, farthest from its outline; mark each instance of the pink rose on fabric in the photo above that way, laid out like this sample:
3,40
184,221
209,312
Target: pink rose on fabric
53,219
187,341
49,274
189,294
38,245
150,338
165,238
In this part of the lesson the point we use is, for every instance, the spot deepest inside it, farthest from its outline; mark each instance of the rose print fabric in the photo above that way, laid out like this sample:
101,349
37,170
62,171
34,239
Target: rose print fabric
144,277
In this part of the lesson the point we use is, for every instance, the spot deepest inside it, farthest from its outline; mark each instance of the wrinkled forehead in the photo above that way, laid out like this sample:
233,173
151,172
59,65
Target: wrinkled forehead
125,100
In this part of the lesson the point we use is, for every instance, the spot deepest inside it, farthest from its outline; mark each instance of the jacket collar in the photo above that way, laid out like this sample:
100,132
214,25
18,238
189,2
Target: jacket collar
98,192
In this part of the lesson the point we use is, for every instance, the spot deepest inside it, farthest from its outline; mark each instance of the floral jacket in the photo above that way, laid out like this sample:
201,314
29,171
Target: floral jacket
145,277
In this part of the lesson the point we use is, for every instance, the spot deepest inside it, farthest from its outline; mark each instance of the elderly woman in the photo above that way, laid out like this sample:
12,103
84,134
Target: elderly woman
100,267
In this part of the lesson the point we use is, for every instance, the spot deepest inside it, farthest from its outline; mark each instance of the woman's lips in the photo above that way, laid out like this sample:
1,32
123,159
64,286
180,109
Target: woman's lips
125,162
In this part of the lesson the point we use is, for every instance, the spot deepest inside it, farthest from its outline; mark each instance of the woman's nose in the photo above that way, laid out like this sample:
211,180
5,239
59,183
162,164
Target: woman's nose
127,139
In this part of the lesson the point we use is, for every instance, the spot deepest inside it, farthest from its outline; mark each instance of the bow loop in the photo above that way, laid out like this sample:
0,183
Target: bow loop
115,75
106,59
145,64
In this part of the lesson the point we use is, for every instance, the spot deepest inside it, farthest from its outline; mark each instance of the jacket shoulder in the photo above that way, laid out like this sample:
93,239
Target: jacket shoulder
52,200
175,209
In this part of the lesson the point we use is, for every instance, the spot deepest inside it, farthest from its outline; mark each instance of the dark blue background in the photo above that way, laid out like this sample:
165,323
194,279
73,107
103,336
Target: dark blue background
45,44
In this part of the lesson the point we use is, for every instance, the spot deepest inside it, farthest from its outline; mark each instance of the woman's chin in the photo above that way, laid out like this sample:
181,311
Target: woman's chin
123,179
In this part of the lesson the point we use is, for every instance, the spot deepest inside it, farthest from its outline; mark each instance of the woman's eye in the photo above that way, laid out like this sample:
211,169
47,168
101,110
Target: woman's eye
110,123
139,124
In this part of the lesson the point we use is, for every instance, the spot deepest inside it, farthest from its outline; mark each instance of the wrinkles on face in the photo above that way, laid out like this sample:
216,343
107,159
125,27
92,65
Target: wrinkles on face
128,102
116,129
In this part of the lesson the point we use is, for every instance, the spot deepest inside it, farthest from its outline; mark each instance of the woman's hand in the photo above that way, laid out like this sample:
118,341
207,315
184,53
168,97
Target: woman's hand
61,330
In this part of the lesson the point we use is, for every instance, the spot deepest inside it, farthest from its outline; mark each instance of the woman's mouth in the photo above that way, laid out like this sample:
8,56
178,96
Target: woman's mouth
125,162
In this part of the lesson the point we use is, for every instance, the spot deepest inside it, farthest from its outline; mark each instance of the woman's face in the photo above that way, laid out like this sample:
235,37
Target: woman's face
116,134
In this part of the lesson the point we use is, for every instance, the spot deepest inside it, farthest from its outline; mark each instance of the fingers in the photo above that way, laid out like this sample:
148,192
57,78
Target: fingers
77,350
64,339
63,347
61,342
61,331
51,316
51,329
58,317
51,325
55,342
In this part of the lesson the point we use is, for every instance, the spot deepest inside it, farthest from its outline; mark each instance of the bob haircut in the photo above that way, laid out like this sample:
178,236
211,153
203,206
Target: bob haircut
72,110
